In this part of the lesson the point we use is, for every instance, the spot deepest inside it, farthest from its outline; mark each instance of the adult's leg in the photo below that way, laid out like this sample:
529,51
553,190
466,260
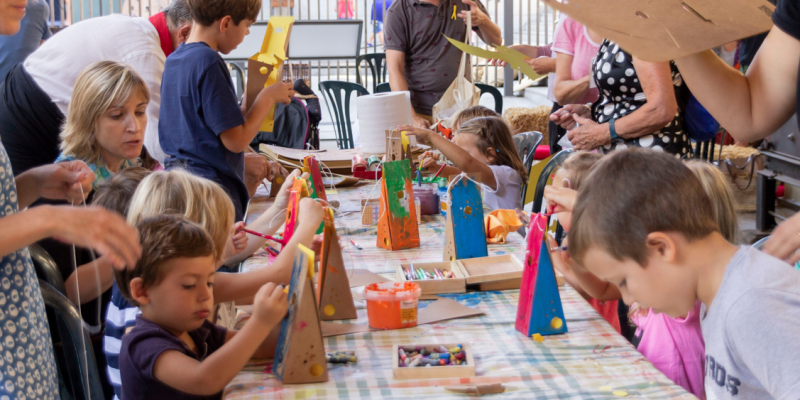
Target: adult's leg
29,122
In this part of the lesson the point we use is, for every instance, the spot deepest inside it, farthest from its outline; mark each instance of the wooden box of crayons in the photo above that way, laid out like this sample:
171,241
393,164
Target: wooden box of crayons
493,272
434,277
465,368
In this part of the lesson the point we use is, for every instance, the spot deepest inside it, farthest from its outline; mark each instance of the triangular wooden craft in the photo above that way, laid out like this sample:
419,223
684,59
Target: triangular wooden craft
265,68
394,146
397,221
298,192
465,233
300,356
539,309
333,286
316,188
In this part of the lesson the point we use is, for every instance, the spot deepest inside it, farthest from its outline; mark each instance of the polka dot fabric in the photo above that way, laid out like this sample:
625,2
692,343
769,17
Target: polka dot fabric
621,94
27,366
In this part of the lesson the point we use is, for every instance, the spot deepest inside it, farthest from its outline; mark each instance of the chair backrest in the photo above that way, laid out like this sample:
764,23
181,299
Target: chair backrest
239,89
377,66
337,98
551,165
75,365
46,268
704,150
526,143
383,88
498,97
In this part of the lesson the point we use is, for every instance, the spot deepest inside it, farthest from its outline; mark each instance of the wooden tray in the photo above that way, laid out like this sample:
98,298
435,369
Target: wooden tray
445,371
437,286
491,269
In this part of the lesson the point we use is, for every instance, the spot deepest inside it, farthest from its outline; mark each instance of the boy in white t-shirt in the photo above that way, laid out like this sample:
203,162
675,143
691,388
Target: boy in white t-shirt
643,222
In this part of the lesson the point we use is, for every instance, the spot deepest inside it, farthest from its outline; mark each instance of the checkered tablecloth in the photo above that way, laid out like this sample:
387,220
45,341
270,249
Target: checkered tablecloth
591,361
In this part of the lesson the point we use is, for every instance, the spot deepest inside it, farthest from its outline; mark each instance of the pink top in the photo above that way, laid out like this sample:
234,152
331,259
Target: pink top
607,310
572,38
675,347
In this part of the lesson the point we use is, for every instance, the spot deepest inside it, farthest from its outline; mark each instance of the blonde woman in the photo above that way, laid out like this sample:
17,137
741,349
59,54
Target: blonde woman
106,119
23,306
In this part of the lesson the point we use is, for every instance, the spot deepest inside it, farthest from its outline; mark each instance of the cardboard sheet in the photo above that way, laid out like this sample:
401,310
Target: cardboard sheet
363,277
440,310
664,30
514,58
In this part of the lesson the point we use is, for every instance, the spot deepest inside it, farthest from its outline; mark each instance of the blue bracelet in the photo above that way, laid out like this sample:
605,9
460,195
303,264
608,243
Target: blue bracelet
611,129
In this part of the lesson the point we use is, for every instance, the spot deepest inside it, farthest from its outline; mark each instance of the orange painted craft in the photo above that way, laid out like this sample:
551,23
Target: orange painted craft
392,305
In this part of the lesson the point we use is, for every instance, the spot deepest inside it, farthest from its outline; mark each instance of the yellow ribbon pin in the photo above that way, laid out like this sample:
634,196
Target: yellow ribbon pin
454,12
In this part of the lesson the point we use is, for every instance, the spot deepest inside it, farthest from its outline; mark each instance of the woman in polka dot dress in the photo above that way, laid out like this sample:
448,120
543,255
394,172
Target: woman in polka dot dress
27,365
642,102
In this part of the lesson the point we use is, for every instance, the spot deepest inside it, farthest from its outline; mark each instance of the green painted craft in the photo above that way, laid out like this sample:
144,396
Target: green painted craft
395,174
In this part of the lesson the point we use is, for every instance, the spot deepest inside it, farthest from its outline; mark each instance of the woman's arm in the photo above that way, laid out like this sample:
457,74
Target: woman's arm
567,90
661,106
750,107
92,281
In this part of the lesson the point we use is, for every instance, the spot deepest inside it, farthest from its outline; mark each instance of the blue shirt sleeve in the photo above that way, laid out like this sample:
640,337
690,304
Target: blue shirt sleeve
220,107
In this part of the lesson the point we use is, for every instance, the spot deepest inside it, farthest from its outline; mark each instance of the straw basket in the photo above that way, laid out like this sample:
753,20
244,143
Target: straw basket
740,165
524,119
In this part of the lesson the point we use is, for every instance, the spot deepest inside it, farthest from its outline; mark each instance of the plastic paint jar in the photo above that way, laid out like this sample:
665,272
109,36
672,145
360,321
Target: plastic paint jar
392,305
443,198
428,199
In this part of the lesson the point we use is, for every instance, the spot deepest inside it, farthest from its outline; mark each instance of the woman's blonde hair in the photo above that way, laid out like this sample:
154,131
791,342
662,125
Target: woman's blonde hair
178,192
722,203
494,132
100,86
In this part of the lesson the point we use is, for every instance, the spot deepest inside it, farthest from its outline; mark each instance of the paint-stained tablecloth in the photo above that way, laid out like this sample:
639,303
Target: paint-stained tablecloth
591,361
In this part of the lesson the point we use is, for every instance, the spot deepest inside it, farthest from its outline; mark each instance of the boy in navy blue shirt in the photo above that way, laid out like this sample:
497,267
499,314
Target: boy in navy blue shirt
201,127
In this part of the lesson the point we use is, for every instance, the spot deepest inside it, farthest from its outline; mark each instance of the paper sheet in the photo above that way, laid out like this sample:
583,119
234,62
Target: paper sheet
514,58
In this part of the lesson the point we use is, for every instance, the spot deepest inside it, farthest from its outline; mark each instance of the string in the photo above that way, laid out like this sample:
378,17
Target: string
84,345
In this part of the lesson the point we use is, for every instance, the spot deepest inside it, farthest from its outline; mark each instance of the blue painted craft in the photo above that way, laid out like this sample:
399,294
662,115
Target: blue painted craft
465,231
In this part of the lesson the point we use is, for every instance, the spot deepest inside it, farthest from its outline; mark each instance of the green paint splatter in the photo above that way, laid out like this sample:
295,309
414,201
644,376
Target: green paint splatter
395,174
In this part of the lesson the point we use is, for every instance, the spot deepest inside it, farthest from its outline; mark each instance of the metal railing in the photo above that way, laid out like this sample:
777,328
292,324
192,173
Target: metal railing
535,24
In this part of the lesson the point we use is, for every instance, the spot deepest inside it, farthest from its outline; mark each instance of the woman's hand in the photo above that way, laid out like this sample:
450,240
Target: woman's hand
522,48
422,134
69,180
104,231
563,117
785,241
589,135
559,199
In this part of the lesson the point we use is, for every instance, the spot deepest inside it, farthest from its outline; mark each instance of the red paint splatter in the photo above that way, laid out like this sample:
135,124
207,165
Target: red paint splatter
300,326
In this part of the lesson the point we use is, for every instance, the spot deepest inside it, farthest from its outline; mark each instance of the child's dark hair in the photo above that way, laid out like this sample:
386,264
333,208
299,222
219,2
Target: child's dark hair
164,237
206,12
494,132
470,113
632,193
116,192
578,166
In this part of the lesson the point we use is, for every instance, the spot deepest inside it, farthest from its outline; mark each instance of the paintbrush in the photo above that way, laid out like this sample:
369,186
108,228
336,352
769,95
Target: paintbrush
261,235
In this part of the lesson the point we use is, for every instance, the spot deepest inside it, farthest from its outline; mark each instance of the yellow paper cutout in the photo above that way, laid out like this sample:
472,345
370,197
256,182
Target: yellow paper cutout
514,58
273,52
404,140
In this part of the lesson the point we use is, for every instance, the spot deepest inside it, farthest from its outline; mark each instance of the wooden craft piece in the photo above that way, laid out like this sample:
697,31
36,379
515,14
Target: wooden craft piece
465,233
265,68
275,186
668,29
300,356
438,372
539,309
397,223
333,288
316,188
298,192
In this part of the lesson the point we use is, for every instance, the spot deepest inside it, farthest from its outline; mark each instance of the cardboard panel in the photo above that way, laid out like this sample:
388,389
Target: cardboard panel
300,356
465,222
664,30
334,295
397,224
267,65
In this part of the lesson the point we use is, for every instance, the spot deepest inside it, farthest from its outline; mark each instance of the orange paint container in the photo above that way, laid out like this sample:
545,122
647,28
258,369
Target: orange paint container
392,305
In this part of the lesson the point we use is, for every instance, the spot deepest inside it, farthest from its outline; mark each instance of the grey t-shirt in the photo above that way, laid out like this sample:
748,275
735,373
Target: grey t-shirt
751,330
415,27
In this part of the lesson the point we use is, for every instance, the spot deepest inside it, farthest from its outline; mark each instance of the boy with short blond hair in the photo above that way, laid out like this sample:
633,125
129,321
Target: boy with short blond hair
643,222
173,351
201,127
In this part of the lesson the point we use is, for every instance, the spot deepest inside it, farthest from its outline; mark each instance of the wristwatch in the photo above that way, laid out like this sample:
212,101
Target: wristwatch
611,129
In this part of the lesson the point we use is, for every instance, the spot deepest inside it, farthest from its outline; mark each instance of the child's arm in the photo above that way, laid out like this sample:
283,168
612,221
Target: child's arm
235,286
457,155
583,279
210,376
269,222
91,282
237,139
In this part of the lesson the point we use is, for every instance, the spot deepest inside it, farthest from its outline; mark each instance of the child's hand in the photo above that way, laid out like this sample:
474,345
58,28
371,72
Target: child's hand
269,305
311,212
523,216
279,92
423,134
559,199
428,160
282,198
316,246
237,241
